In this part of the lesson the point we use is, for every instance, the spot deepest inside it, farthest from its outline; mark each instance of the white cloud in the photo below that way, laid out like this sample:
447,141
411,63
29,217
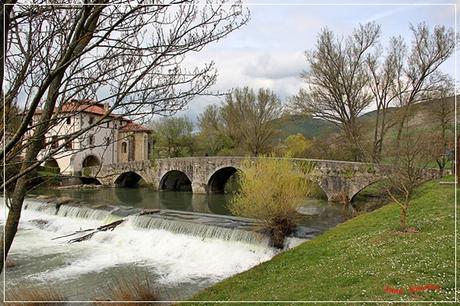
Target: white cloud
276,66
269,51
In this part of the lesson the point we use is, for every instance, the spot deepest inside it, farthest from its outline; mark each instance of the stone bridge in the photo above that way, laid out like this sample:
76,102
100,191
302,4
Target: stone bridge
340,180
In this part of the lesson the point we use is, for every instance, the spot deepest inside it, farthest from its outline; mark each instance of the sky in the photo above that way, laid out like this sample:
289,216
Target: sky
269,51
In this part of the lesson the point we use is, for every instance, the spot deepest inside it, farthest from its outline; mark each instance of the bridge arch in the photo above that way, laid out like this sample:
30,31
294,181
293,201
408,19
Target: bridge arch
90,161
90,181
175,180
52,163
317,191
220,177
128,179
354,192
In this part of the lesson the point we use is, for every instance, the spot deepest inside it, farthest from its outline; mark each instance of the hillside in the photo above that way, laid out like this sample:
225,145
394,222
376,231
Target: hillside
421,118
306,125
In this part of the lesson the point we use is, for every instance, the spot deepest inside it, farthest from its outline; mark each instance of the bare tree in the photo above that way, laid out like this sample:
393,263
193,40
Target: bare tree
248,118
337,81
383,73
420,78
409,171
127,55
443,112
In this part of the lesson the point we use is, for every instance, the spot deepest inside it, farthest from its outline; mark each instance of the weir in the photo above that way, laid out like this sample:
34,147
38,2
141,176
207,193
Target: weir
171,247
201,225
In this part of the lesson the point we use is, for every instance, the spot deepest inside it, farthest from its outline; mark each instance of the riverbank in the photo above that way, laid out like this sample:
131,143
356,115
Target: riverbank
363,259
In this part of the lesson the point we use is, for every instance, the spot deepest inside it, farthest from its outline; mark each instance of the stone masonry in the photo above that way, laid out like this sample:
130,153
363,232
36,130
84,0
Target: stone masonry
340,180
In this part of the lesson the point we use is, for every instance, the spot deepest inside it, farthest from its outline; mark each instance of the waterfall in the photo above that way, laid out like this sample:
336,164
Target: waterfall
72,211
83,212
203,226
47,208
175,251
204,231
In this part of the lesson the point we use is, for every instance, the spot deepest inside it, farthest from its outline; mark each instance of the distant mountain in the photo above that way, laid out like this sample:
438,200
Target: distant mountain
306,125
421,118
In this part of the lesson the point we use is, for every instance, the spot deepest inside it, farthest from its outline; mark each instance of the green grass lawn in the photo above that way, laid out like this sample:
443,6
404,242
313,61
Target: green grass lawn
357,259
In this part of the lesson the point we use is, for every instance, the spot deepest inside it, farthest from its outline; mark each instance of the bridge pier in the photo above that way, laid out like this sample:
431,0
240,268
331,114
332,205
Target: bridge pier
336,189
198,187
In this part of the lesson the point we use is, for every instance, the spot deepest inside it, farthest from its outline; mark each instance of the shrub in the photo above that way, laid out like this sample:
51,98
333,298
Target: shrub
316,191
272,190
32,296
135,287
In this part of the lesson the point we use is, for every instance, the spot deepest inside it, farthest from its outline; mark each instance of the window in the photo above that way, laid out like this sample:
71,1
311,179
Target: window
54,142
108,124
107,141
124,147
91,120
68,144
68,120
91,140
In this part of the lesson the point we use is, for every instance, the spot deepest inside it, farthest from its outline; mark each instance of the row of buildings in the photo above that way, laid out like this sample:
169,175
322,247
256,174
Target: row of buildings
115,140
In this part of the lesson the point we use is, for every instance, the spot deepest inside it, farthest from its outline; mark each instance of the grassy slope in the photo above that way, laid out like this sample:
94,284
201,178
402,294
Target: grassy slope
309,127
358,258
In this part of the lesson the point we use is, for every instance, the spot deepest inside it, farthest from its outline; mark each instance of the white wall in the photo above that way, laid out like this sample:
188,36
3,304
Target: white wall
70,161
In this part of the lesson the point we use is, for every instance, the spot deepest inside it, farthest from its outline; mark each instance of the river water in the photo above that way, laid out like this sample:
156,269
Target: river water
177,262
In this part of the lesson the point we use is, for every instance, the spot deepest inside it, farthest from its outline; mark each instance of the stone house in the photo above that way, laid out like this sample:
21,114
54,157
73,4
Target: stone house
116,139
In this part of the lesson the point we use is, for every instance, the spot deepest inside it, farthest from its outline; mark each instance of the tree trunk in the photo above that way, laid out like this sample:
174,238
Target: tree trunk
375,143
5,25
12,220
403,218
383,130
38,137
442,165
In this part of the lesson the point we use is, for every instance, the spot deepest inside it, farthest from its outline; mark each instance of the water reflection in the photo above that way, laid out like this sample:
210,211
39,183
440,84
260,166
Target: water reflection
218,203
147,198
177,201
317,212
132,196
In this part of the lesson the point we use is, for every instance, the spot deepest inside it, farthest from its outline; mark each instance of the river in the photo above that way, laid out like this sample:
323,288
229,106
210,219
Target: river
178,263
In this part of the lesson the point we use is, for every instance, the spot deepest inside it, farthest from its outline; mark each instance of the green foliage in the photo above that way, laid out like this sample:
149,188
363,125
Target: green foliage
295,145
232,184
348,173
371,169
357,259
317,192
153,164
173,137
271,190
48,171
86,171
243,124
211,139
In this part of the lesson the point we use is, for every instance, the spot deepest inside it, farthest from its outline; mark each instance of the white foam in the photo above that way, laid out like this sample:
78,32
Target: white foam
175,257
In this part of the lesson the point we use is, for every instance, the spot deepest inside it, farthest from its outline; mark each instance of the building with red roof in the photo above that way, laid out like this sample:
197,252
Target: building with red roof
109,139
